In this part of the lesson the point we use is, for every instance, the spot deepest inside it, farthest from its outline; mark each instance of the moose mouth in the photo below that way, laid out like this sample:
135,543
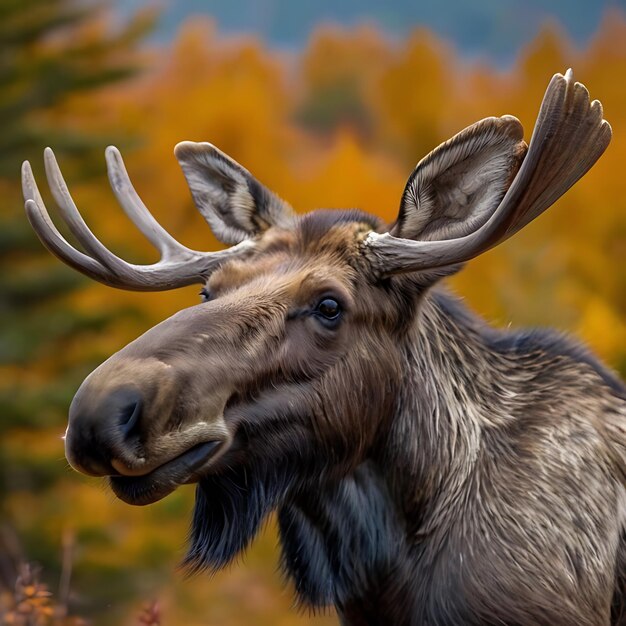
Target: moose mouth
160,482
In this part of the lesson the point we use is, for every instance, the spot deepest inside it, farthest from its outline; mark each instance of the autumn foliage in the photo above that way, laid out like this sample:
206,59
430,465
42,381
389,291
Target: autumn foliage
340,123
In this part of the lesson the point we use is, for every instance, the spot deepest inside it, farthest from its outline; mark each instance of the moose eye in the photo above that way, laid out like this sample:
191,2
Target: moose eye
328,311
205,294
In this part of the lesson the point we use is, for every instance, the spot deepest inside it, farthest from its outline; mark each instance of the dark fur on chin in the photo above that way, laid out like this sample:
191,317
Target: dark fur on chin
341,539
229,511
232,505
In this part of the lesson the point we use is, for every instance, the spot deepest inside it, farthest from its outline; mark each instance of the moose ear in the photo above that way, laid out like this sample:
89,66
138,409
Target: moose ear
456,188
234,203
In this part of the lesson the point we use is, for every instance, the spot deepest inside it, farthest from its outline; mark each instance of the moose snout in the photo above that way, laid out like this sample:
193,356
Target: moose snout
103,432
134,415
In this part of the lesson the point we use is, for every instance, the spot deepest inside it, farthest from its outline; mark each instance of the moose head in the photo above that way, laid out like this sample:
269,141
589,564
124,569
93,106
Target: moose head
296,366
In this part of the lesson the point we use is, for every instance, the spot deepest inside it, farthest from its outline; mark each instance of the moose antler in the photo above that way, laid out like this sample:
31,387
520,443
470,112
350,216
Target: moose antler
569,137
178,265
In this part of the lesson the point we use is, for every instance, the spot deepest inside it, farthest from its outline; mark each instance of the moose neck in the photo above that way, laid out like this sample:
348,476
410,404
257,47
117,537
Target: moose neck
457,382
357,543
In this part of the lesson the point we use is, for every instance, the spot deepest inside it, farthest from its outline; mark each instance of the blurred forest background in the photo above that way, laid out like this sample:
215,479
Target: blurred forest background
338,121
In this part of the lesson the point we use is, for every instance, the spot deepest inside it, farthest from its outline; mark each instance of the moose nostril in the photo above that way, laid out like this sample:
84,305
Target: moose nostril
129,418
128,404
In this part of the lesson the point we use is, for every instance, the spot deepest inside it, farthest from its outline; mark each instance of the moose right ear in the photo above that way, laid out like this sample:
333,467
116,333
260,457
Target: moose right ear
234,203
456,188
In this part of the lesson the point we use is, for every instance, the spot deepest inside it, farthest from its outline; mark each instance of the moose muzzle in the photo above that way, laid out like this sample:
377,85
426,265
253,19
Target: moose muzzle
144,423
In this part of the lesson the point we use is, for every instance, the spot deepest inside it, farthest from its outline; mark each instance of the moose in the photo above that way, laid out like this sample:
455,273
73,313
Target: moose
425,468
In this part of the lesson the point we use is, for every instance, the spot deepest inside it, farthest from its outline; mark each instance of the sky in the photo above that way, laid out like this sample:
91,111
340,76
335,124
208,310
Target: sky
493,29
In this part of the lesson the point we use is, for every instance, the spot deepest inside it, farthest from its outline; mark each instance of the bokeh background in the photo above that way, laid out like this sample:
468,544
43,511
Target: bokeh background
330,107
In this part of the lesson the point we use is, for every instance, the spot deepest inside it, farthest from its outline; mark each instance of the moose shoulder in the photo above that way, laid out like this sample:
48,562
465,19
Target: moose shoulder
425,468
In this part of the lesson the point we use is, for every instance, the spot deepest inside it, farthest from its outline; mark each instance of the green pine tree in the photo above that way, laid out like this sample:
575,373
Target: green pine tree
43,61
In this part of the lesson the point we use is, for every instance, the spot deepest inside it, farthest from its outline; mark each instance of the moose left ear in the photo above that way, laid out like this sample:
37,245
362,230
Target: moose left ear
455,189
234,203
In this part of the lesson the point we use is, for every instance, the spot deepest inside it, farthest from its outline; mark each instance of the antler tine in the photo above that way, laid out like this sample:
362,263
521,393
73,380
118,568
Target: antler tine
178,266
74,220
137,211
53,240
569,137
